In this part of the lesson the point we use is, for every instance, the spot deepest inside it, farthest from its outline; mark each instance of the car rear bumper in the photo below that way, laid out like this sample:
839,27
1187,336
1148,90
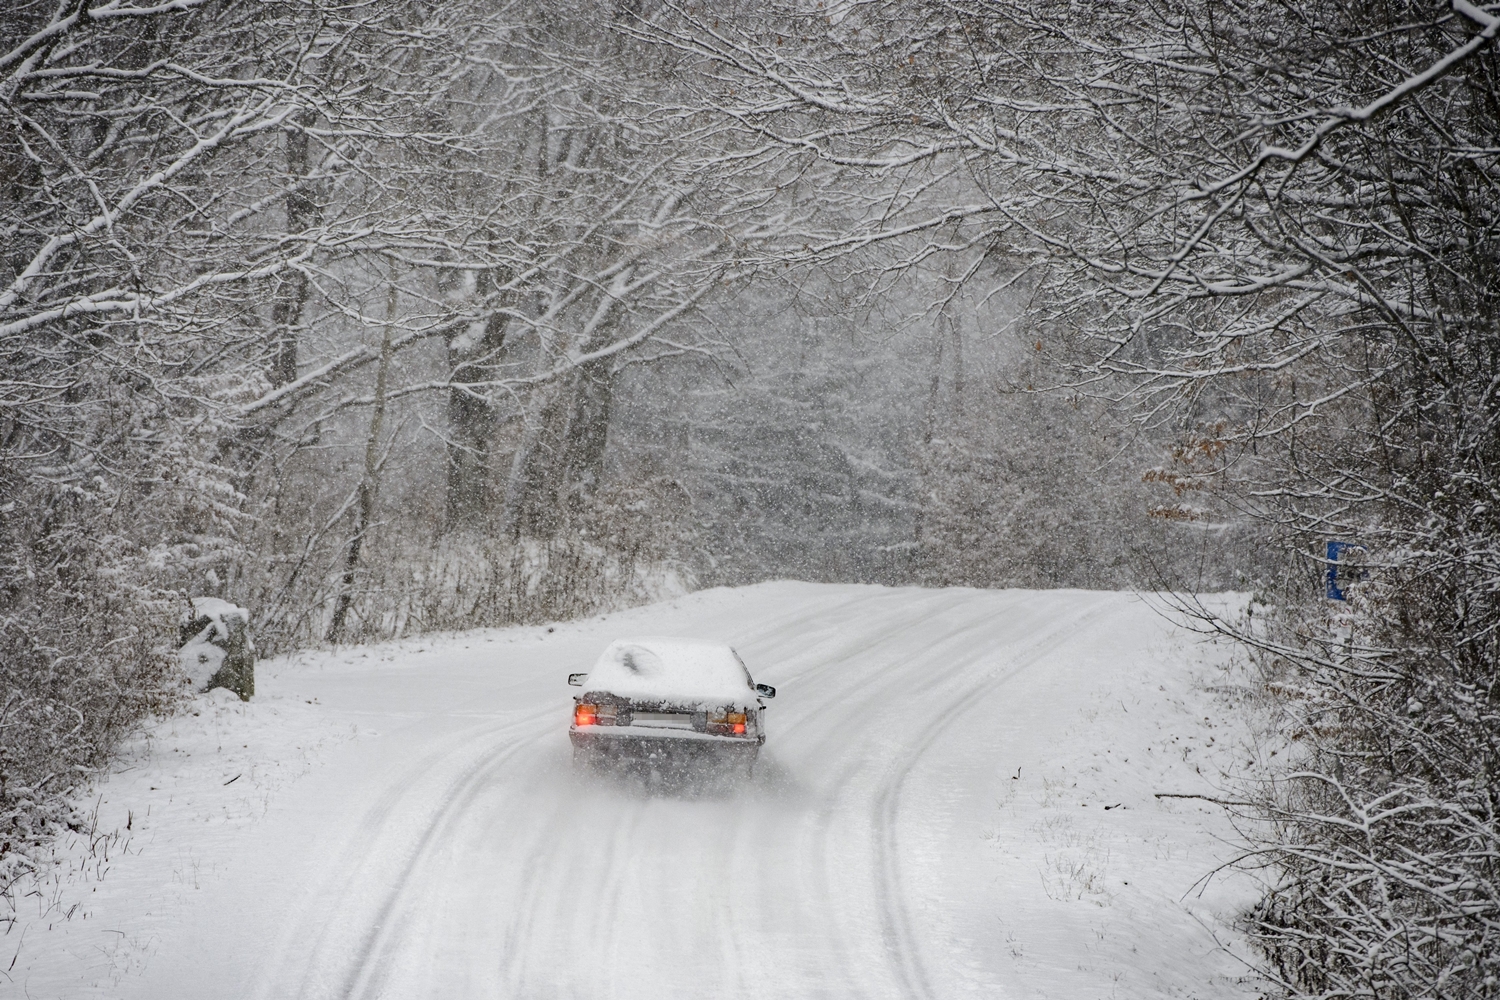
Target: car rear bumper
641,741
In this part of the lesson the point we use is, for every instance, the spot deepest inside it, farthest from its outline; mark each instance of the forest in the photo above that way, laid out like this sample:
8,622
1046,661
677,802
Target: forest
389,318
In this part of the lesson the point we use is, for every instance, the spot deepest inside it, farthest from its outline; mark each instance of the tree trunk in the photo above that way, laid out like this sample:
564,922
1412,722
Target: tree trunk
926,459
530,508
291,296
369,483
471,428
586,435
559,461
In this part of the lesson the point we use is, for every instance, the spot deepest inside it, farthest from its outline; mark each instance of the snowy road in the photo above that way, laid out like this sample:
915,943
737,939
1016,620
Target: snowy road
947,807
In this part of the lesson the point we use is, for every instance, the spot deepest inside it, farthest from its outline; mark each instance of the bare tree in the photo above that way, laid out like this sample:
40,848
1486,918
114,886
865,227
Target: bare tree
552,208
189,189
132,155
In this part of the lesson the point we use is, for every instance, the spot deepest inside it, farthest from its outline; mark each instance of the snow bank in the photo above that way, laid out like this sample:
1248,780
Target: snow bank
673,670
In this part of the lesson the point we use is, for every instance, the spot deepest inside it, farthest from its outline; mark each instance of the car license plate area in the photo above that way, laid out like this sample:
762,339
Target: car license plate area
662,720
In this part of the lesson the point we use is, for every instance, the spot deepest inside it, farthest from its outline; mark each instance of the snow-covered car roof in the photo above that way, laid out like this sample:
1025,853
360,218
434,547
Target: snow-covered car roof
657,668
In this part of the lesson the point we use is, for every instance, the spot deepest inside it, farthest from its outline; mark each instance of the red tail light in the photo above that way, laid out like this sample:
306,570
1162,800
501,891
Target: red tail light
585,715
729,723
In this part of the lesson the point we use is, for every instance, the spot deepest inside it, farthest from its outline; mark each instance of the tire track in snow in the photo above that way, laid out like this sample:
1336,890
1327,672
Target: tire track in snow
354,858
362,852
366,977
876,665
549,868
458,858
880,684
606,869
881,665
896,681
906,615
889,677
898,934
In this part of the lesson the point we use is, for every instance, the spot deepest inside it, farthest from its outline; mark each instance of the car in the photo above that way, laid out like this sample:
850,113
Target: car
668,702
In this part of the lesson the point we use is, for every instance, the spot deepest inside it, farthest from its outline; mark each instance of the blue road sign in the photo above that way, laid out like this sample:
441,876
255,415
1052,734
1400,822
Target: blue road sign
1342,572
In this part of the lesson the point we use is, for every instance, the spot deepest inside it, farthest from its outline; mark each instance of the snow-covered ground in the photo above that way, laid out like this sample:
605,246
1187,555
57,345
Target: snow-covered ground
957,798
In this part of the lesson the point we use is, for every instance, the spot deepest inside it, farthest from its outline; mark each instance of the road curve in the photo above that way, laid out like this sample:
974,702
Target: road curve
454,853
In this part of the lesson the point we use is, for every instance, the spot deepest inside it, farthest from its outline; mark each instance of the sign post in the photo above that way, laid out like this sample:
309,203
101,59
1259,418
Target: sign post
1344,568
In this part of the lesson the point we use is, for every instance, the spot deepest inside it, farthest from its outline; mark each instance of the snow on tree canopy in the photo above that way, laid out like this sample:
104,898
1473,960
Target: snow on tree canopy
673,670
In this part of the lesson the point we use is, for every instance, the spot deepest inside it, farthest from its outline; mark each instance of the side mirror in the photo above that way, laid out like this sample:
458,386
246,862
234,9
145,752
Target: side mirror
576,680
765,690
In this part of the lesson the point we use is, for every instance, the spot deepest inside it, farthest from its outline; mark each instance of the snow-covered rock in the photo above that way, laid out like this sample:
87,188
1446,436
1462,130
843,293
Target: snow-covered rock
216,650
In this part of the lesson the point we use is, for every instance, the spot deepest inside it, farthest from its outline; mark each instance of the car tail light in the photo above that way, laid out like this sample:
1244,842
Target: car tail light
727,723
585,715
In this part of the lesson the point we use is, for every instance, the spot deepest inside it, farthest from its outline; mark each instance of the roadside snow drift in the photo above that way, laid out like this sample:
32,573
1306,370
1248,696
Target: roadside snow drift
957,797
